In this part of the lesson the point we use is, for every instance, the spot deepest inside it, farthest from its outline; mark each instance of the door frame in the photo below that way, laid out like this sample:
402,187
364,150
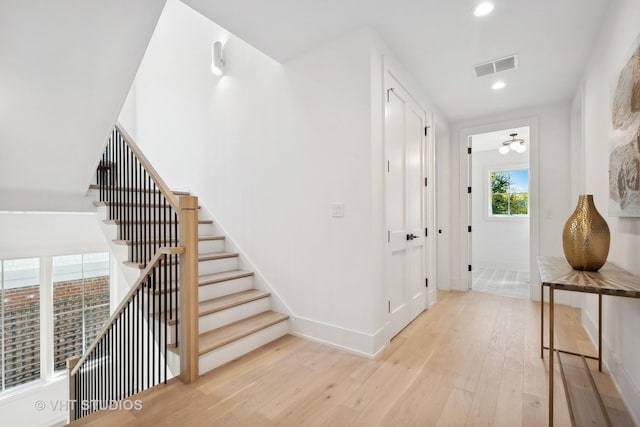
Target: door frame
464,283
429,191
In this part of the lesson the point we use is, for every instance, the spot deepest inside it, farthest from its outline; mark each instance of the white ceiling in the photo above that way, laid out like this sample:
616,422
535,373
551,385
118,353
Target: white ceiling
493,140
65,70
438,41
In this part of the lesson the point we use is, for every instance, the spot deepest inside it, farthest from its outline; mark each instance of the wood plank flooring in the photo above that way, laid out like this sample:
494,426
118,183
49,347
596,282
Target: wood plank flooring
471,360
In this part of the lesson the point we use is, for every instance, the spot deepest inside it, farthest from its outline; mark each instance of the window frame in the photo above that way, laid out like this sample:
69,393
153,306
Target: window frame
489,215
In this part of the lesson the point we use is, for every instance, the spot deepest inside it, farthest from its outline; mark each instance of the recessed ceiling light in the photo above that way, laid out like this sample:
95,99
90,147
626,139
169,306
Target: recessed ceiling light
498,85
483,9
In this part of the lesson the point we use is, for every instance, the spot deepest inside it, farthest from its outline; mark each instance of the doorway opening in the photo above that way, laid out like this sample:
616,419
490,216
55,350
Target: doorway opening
499,212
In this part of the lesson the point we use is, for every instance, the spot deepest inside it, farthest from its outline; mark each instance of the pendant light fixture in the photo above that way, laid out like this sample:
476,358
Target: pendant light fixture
513,144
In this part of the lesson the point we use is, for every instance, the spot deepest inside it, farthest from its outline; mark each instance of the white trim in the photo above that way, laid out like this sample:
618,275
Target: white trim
464,281
430,197
629,392
46,317
19,391
356,342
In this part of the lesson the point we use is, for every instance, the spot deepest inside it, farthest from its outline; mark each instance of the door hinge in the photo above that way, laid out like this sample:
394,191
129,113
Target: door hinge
388,166
426,130
469,190
389,306
388,90
425,182
469,228
388,236
426,232
426,282
469,266
468,150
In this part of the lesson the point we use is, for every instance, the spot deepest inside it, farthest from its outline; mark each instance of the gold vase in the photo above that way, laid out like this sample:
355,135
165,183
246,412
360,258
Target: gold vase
585,238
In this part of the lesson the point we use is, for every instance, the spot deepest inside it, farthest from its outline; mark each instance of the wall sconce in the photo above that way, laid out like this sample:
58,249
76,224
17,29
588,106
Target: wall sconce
217,61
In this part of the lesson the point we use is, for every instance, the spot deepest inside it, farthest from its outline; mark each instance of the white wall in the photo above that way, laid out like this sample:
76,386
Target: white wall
20,408
31,234
501,243
619,36
268,148
549,178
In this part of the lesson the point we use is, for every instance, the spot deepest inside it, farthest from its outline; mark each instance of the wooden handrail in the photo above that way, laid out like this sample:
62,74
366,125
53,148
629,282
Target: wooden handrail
161,252
164,188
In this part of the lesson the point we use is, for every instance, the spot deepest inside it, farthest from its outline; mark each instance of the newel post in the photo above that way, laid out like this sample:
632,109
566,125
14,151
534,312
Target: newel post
188,290
71,363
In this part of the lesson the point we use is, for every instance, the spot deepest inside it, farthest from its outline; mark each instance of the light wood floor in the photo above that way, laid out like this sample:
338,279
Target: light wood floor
471,360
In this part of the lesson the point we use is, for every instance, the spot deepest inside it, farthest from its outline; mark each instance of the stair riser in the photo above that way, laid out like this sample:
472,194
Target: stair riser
204,247
216,320
158,303
217,266
209,246
229,352
157,333
228,287
151,231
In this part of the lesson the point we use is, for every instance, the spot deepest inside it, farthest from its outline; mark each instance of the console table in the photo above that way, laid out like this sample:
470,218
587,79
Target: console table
557,274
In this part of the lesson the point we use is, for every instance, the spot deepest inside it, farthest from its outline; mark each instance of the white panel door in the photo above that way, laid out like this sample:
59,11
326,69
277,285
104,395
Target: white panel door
404,191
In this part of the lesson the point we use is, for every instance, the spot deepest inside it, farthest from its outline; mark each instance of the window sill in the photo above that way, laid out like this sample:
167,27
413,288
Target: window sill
20,391
507,218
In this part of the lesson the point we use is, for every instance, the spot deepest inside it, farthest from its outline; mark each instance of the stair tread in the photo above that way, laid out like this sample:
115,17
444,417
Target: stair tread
202,257
224,276
200,239
216,255
151,205
211,237
97,187
118,221
217,338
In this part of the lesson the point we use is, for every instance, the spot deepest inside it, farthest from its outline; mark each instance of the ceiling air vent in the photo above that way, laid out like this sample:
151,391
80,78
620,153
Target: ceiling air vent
496,66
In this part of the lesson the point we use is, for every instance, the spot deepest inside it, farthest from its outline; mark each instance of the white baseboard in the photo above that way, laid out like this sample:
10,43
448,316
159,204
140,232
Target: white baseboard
628,390
356,342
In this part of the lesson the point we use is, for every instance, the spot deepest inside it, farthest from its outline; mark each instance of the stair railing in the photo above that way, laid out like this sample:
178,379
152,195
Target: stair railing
138,200
161,230
130,353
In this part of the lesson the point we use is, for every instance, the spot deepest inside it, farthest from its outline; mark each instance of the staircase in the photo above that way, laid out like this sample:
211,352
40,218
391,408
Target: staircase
233,317
178,286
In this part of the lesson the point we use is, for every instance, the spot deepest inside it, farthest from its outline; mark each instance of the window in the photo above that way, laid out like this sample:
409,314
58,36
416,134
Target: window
19,322
509,193
74,302
80,303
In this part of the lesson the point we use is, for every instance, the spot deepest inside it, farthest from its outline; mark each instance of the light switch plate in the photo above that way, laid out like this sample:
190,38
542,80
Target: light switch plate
337,210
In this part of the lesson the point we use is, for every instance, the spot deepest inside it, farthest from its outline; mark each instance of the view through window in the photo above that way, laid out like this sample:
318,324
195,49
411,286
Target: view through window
19,321
80,303
509,192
